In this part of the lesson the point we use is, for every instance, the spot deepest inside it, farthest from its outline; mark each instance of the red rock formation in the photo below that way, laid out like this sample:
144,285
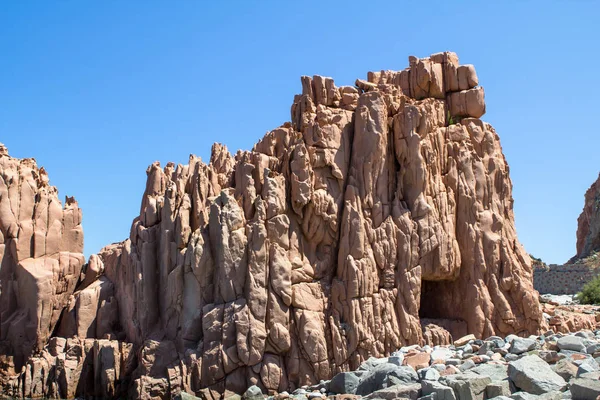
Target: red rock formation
41,247
588,223
378,205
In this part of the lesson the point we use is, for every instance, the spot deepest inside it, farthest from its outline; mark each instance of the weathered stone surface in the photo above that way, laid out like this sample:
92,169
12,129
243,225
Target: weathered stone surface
566,369
81,367
570,342
41,245
533,375
380,216
521,345
588,223
400,391
468,386
385,375
442,392
585,389
344,383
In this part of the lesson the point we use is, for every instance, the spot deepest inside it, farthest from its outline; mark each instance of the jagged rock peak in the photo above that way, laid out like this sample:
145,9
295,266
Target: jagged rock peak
41,246
381,216
588,223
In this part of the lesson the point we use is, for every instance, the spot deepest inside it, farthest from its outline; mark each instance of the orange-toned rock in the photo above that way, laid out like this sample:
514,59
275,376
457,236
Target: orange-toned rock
418,360
41,245
376,208
588,223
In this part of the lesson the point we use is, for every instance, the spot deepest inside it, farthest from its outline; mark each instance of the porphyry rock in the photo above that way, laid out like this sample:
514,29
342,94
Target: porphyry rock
41,245
378,206
588,223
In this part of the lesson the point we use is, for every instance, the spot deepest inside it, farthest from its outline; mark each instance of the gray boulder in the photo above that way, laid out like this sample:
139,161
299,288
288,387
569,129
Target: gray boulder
585,389
467,386
440,392
531,374
587,365
467,365
371,363
411,392
523,396
383,376
521,345
429,374
253,393
344,383
554,395
585,334
497,372
593,348
499,388
573,343
590,375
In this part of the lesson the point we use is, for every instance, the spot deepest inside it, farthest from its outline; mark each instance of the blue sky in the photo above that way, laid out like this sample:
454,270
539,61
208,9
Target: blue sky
97,91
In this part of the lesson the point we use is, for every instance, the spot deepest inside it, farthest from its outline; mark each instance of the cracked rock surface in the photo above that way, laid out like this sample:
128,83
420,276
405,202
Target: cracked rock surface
381,216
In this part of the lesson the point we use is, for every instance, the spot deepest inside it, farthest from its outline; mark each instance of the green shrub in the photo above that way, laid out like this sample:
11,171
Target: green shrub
450,120
590,294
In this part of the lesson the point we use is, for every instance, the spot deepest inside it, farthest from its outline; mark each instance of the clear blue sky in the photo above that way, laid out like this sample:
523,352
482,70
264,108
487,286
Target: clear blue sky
96,91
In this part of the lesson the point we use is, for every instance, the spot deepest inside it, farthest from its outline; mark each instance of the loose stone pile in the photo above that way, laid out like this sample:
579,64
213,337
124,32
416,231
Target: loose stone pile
550,366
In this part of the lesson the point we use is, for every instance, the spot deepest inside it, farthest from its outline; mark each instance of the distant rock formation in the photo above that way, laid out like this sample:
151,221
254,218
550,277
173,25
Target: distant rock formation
588,223
41,246
381,216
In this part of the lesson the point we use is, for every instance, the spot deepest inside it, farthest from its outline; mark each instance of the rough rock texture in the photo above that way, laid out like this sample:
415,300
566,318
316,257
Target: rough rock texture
379,205
588,223
41,245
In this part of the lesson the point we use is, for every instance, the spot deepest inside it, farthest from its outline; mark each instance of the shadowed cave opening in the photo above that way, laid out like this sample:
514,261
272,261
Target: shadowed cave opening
439,307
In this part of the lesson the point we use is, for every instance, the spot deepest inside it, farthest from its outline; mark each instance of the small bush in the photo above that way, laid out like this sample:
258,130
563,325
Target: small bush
450,119
590,294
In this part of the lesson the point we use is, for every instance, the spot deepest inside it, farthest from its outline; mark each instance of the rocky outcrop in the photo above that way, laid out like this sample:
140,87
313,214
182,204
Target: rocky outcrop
41,245
588,223
380,216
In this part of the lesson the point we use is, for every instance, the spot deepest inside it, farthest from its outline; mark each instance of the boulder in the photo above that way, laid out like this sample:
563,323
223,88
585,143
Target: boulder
570,342
385,375
253,393
401,391
441,392
531,374
566,369
499,388
522,345
467,386
344,383
585,389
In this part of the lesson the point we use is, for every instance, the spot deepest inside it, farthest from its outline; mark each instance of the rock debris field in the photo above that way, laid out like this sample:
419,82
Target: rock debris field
550,366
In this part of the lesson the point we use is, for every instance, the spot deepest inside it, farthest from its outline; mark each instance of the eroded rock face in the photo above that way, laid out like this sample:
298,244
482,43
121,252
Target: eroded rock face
588,223
41,245
381,216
